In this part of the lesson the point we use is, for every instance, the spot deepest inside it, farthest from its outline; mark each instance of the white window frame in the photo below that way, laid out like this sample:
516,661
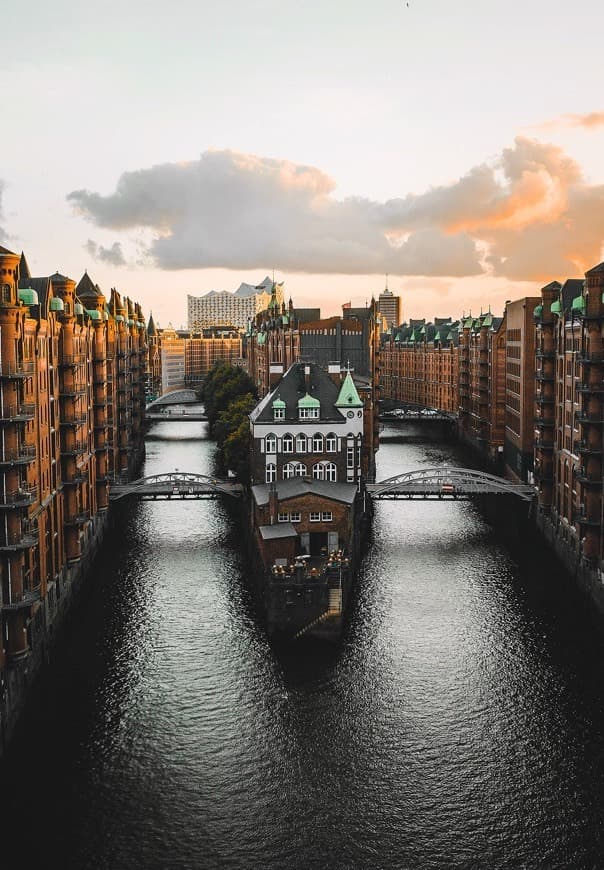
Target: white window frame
327,516
350,456
282,518
331,443
295,517
301,443
288,443
278,413
271,473
317,443
315,516
331,472
270,443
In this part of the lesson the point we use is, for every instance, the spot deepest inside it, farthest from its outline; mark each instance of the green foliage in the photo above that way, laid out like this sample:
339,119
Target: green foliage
229,395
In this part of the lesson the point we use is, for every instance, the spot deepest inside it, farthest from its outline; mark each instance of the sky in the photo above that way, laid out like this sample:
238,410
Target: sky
456,148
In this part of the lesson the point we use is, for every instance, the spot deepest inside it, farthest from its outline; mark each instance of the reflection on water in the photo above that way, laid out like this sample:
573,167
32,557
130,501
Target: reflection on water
459,724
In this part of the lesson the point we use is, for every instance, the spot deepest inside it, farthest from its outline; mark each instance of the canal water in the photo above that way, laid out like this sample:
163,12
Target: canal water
460,724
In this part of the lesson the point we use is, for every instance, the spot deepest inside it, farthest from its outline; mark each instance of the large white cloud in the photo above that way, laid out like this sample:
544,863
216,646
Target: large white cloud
529,214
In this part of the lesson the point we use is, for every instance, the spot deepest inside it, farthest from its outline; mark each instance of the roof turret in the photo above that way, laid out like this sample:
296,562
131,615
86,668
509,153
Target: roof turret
348,397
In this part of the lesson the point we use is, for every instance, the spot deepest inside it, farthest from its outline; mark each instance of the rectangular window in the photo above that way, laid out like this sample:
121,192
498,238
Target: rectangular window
279,413
295,516
315,517
283,518
327,516
350,457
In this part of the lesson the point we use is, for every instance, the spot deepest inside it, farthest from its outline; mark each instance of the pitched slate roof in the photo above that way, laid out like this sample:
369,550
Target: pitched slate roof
297,486
280,530
87,289
40,285
24,267
571,288
596,269
293,387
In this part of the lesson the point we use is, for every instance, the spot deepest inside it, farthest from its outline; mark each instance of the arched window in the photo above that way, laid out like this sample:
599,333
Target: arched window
271,443
325,471
331,443
288,443
271,473
301,443
331,471
317,443
294,469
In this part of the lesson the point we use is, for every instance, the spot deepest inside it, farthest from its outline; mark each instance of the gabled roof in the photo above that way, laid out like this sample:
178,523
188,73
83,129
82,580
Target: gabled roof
87,289
553,285
297,486
596,269
571,288
6,251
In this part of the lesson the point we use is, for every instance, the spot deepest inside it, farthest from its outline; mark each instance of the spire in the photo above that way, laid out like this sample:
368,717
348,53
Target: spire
24,272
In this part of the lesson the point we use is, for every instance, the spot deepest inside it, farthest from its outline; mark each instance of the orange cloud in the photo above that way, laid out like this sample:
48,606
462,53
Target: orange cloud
589,121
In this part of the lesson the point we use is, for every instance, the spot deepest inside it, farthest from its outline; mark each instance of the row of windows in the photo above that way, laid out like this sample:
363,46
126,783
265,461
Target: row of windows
320,471
303,443
314,516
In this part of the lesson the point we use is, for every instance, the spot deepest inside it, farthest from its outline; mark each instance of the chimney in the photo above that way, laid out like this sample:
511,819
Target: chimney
334,371
275,373
307,378
273,503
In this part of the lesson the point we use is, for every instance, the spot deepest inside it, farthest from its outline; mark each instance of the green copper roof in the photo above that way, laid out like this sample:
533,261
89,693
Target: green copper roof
56,304
28,296
119,318
487,320
578,304
278,403
78,308
261,337
538,311
93,314
308,401
130,322
467,324
437,336
556,307
348,398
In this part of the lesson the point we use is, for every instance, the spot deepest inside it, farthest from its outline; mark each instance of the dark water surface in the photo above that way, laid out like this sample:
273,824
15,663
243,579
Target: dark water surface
459,725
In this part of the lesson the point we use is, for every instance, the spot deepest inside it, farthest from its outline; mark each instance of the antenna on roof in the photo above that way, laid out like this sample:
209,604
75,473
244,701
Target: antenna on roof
386,280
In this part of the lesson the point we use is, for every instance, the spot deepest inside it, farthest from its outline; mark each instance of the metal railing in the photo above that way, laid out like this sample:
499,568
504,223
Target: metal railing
18,369
15,413
22,453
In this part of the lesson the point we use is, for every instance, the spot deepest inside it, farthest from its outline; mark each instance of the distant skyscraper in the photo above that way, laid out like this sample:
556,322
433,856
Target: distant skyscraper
390,306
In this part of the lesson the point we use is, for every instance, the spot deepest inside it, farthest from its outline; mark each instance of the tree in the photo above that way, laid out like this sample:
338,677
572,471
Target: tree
229,395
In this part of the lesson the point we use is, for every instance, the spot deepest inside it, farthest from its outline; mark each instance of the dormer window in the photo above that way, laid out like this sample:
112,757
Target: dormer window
309,408
278,409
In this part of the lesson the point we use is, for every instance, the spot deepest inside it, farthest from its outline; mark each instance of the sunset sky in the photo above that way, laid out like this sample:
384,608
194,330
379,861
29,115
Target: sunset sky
178,148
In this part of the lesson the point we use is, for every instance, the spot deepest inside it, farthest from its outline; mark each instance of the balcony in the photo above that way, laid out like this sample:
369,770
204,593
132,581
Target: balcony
18,498
74,419
585,417
76,480
27,598
542,399
22,369
77,519
17,414
73,391
594,480
588,449
73,360
16,541
584,520
22,455
592,358
595,389
76,449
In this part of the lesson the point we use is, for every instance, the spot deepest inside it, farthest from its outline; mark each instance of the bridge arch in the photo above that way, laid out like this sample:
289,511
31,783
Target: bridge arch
176,484
447,481
175,397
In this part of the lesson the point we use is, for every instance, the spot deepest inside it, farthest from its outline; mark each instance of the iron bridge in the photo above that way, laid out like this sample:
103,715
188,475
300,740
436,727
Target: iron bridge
175,485
447,482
